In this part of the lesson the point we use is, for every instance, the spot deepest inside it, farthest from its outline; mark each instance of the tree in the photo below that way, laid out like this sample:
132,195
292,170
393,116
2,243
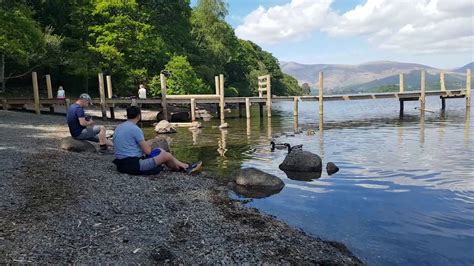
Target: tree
21,40
306,88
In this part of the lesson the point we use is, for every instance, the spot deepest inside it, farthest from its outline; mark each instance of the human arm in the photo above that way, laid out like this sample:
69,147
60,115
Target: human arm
84,122
146,147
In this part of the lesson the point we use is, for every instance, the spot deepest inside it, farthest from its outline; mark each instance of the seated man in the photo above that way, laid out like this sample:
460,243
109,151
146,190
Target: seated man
130,146
81,127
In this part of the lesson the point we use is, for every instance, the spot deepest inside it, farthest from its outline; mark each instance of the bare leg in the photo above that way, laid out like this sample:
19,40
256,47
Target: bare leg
168,160
102,137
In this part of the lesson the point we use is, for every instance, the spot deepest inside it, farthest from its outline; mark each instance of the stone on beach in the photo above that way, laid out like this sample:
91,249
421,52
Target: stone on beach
71,144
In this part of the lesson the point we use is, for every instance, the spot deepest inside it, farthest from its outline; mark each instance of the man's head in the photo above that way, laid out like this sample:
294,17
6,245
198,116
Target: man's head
134,112
85,99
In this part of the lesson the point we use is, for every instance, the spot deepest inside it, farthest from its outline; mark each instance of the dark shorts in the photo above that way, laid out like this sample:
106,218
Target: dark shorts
90,133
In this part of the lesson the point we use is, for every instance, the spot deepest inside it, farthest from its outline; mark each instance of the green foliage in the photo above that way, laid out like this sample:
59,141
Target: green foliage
306,89
183,78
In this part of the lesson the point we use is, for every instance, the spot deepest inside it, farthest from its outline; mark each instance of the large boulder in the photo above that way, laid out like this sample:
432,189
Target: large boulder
254,183
301,161
159,142
70,144
302,176
164,127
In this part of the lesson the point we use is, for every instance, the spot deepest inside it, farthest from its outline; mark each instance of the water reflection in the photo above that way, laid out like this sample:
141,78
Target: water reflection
257,193
302,176
269,128
195,133
222,143
467,125
249,128
295,124
422,127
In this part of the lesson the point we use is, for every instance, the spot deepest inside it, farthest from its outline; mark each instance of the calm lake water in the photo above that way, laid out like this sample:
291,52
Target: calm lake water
405,190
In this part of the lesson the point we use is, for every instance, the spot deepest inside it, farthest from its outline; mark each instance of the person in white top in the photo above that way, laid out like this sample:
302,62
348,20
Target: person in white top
142,92
61,93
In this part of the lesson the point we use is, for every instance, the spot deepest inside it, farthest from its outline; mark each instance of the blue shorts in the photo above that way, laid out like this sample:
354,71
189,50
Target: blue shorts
89,133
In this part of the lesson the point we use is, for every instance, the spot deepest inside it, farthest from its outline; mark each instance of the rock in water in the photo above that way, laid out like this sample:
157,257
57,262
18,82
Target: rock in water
331,168
301,161
164,127
70,144
180,117
254,183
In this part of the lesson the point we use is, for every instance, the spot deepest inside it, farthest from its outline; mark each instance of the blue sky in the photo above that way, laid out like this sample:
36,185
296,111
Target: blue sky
438,33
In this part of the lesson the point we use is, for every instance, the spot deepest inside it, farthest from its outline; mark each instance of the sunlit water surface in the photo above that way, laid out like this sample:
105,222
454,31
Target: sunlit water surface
405,190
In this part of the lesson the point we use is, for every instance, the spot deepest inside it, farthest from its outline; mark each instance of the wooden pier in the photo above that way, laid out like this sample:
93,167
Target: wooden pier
265,97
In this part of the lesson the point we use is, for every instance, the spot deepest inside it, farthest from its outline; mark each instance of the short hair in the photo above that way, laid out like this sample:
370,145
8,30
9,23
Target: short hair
133,112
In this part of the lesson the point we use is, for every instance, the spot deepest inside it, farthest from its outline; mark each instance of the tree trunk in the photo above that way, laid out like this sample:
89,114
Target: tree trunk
2,73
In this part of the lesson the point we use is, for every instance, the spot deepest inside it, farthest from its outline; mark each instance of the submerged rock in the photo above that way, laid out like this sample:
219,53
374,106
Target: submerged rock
301,161
303,176
332,168
254,183
71,144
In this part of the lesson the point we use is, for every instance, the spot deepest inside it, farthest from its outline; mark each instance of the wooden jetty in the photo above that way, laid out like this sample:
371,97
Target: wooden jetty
265,97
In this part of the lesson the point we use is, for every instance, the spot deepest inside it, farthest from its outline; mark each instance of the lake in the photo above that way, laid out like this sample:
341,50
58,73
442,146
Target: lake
405,190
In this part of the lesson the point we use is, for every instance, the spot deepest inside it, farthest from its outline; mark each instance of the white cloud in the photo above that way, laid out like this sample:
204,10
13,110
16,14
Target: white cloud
413,26
286,22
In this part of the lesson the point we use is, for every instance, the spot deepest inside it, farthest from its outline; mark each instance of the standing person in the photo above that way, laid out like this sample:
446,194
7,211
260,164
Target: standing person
61,93
81,127
142,92
130,147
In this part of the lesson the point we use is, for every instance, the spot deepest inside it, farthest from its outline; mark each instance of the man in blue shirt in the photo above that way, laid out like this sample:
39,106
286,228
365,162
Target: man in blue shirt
81,127
130,147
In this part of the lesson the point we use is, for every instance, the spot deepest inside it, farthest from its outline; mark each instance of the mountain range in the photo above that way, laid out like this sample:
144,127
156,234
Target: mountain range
375,76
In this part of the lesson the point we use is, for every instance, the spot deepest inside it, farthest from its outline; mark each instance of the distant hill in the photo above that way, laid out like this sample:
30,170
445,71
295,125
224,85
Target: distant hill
369,76
463,69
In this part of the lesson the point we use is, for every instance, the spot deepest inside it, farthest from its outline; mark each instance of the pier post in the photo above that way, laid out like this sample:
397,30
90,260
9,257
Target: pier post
102,96
247,108
295,106
441,82
402,103
221,98
468,87
269,97
193,110
4,104
241,110
321,98
402,87
422,87
109,95
216,82
260,109
34,79
49,88
164,104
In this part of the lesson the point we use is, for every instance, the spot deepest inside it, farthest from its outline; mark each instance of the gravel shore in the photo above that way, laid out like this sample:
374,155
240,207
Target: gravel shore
65,207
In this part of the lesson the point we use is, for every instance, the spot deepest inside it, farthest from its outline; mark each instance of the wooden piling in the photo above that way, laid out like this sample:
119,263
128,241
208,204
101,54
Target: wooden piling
422,88
49,88
164,104
4,104
269,97
441,82
321,99
221,100
109,95
34,78
402,87
102,95
241,110
134,102
193,110
402,103
260,109
443,103
468,87
216,83
247,108
68,103
295,106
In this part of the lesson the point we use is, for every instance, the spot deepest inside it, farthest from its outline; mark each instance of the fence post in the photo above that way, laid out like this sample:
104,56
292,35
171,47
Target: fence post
109,96
441,81
295,106
34,78
49,88
221,94
193,110
321,84
102,95
402,88
422,86
164,104
269,96
216,82
468,87
247,108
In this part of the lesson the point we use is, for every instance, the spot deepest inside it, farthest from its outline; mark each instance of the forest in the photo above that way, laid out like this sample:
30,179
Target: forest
133,41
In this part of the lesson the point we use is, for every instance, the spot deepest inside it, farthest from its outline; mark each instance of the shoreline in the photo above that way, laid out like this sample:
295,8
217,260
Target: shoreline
64,207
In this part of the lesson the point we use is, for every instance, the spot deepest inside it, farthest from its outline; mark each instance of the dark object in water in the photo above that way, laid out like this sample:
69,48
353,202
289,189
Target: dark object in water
301,161
332,168
302,176
278,146
294,148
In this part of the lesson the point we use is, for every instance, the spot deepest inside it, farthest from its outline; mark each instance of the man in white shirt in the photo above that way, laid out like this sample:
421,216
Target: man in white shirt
142,92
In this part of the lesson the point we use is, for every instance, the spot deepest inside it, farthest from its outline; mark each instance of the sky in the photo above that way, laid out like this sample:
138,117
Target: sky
439,33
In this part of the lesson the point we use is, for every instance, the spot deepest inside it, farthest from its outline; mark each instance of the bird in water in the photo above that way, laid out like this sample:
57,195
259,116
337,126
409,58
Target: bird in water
294,148
278,146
